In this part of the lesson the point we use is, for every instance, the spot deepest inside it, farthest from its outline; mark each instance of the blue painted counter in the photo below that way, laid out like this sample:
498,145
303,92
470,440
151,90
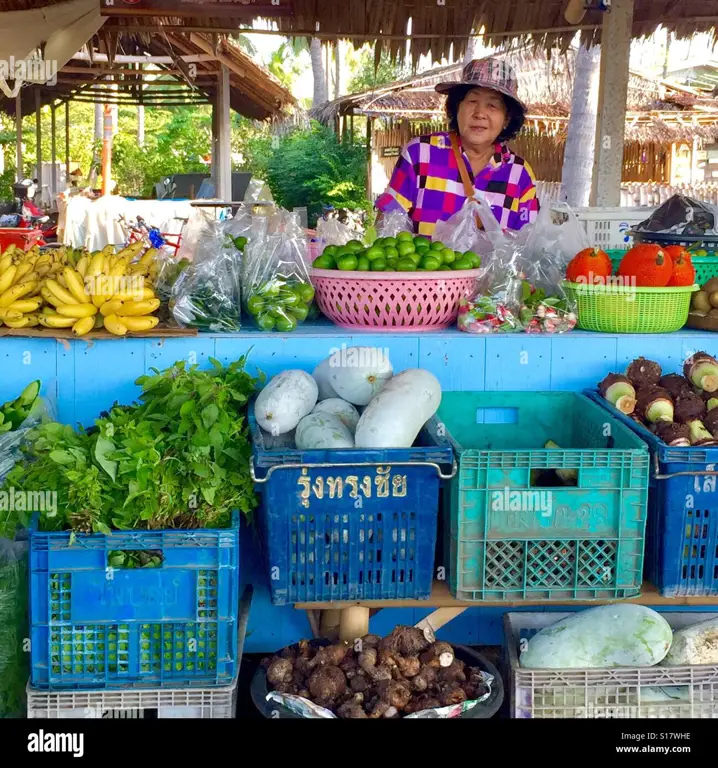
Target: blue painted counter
86,377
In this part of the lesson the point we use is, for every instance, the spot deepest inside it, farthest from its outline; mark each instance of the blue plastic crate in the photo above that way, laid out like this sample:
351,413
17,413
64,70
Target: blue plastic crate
682,540
95,626
510,538
353,524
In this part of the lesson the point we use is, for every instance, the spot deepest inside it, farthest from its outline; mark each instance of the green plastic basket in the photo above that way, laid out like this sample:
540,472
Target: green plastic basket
509,535
625,309
706,266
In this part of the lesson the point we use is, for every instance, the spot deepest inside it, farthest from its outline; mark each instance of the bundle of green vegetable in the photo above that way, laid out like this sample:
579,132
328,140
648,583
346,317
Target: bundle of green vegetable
177,459
14,412
13,628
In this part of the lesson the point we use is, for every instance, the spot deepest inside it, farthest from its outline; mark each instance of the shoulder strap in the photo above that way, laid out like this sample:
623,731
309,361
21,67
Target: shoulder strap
468,186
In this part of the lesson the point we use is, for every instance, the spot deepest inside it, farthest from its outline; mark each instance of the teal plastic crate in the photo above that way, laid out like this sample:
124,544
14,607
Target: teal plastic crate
506,537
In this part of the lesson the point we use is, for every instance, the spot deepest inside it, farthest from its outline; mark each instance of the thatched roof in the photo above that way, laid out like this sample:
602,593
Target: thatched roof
254,91
655,111
437,27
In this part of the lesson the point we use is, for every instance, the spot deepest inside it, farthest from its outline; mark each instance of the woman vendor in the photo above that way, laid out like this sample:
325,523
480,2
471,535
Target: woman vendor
436,173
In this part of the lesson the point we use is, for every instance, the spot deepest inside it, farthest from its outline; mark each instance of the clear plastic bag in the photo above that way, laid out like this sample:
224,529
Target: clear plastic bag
207,294
277,292
521,286
331,231
392,223
465,230
14,668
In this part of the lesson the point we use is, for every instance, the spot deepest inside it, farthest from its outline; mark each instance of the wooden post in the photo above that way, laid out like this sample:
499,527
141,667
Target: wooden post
351,126
612,94
215,142
67,143
53,155
329,623
38,140
353,623
18,135
224,147
107,150
369,139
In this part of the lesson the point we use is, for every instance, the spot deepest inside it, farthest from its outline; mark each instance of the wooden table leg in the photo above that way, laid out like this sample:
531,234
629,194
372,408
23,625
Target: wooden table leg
353,622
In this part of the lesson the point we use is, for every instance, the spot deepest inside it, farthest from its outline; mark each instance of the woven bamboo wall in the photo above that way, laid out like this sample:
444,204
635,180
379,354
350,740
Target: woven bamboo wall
641,162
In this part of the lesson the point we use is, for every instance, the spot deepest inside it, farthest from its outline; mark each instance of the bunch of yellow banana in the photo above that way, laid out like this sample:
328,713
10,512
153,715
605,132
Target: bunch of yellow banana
20,283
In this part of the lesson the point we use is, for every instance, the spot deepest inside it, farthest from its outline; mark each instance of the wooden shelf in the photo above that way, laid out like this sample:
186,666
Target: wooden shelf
441,598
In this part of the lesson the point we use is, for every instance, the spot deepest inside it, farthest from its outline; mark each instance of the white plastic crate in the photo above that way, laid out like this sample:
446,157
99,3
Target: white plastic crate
619,692
608,227
162,704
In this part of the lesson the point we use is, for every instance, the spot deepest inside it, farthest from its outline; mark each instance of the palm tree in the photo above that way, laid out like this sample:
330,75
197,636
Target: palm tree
320,85
581,139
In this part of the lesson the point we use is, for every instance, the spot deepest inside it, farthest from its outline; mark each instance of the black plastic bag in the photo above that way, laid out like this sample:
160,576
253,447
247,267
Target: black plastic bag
682,215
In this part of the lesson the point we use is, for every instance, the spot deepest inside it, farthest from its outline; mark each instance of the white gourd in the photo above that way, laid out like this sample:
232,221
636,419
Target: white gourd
285,401
343,410
394,418
697,644
321,375
322,431
358,374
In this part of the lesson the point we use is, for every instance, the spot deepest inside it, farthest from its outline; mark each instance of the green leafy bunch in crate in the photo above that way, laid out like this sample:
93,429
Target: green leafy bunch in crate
178,458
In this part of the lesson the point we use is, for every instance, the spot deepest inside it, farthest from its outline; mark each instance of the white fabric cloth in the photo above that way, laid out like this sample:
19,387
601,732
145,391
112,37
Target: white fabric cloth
93,224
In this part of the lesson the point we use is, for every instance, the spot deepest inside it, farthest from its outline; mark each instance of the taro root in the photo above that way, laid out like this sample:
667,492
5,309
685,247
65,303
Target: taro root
327,683
280,672
440,654
619,391
353,708
349,666
454,673
331,655
699,434
674,435
422,702
359,683
701,370
675,384
406,641
377,708
304,693
425,679
643,373
689,407
369,641
396,693
711,421
408,666
368,663
655,405
451,694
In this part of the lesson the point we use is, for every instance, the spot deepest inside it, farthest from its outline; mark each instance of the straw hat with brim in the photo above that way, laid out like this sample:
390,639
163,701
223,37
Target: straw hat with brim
493,73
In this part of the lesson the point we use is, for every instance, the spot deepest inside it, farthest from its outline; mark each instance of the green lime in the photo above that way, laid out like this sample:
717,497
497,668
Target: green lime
330,250
431,263
406,248
375,252
286,323
391,268
265,322
379,242
444,268
391,252
405,237
289,298
405,265
389,242
300,313
378,265
462,263
347,263
473,257
415,257
324,262
255,305
437,246
363,264
422,248
354,246
448,256
418,240
305,291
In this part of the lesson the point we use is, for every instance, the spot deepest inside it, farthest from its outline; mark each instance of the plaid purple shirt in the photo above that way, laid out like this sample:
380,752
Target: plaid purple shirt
427,185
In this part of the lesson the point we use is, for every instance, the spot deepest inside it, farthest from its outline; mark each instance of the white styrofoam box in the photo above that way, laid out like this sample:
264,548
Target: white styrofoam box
162,704
608,227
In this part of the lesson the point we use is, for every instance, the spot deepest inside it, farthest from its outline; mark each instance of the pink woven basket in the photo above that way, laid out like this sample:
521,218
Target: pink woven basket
393,301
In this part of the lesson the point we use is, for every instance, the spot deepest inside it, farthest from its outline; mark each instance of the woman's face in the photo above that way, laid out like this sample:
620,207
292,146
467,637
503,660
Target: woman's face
482,116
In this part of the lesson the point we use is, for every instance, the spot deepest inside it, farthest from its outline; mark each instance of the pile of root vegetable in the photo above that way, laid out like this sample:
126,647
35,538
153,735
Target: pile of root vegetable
376,677
682,410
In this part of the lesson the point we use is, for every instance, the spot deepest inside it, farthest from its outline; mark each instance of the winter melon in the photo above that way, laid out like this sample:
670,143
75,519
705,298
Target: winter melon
358,374
285,401
616,635
322,431
396,415
321,375
697,644
343,410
